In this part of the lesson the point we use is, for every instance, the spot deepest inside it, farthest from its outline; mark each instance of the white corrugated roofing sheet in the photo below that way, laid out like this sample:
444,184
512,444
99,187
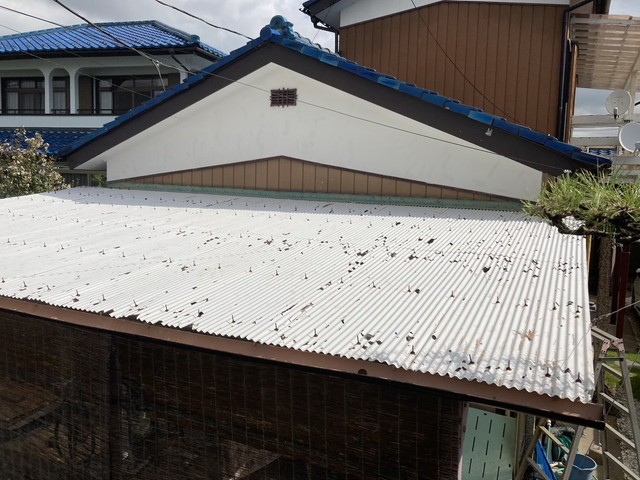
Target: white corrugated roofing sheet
490,296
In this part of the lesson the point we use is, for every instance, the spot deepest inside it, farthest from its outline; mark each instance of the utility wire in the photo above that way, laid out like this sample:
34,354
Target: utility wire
29,15
84,74
435,39
203,20
155,62
158,63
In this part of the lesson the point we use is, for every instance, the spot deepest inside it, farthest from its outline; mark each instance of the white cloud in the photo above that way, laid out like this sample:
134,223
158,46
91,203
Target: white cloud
625,7
244,16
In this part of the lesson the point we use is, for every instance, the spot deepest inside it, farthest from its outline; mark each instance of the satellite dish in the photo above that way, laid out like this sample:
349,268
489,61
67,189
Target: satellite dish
618,102
629,136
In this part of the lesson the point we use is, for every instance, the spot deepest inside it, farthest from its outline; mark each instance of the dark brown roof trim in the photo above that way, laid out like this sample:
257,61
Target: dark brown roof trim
590,414
503,143
319,7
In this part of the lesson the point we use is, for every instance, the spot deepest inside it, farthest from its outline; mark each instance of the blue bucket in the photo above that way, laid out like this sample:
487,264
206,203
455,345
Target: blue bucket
583,468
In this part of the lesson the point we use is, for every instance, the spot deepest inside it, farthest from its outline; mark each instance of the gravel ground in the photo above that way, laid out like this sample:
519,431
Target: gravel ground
624,426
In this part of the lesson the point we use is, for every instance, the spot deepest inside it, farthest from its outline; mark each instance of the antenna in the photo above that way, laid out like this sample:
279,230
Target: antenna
629,137
618,103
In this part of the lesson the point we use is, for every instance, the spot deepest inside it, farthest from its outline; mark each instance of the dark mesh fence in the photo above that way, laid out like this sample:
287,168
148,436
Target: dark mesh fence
75,403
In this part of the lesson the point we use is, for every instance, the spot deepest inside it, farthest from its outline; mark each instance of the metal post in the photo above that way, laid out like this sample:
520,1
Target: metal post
623,278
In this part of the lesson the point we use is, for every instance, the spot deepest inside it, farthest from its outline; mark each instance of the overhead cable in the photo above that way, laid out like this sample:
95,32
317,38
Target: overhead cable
203,20
31,16
157,63
439,45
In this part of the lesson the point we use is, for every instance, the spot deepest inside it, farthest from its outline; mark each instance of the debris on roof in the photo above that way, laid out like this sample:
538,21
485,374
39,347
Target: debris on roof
491,296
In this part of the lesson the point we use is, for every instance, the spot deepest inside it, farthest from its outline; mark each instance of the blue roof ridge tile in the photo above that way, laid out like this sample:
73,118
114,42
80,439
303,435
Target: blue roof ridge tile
280,31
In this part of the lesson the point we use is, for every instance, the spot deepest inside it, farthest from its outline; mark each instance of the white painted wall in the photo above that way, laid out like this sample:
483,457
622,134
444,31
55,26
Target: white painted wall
55,121
238,124
351,12
92,66
100,65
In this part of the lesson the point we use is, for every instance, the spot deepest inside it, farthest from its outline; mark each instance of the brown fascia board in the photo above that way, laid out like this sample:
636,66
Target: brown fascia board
587,414
503,143
318,7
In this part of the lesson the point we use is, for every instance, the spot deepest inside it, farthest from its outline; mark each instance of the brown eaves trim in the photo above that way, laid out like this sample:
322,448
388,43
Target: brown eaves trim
320,6
519,149
589,414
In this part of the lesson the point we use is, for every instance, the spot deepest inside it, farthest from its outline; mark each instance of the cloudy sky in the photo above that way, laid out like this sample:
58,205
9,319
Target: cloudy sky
244,16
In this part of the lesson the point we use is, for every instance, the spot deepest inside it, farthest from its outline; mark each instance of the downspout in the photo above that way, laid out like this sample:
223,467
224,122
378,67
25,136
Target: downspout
566,46
320,25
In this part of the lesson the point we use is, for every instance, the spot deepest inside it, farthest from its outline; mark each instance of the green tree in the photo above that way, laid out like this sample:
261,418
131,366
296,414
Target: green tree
600,205
26,167
585,203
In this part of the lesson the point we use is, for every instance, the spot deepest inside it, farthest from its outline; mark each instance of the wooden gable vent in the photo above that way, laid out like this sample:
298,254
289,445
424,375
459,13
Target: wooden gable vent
284,97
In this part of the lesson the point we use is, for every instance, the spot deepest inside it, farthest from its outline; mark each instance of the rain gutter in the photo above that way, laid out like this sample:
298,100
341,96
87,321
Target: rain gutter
566,46
587,414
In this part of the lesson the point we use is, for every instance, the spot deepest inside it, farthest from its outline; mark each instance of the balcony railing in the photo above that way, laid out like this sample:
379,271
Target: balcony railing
89,111
54,120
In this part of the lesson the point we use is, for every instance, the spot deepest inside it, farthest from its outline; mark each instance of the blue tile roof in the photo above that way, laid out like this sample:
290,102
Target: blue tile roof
58,139
285,36
142,34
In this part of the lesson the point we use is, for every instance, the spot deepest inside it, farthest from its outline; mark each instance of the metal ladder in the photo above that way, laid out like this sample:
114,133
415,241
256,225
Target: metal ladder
527,459
608,343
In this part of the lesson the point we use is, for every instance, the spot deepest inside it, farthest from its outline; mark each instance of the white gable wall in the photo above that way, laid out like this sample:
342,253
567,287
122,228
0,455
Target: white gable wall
238,124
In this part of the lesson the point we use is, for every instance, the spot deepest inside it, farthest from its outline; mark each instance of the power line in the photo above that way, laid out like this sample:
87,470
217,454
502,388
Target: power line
203,20
84,74
158,63
31,16
155,62
91,34
435,39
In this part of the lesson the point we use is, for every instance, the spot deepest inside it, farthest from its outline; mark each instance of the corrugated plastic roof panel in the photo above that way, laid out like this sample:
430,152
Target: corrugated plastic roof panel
491,296
142,34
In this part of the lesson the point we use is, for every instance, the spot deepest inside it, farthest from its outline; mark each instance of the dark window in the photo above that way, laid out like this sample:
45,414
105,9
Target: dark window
60,95
284,97
116,95
21,96
24,96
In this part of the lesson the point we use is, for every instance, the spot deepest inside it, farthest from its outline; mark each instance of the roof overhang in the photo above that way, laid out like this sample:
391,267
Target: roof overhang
337,14
110,52
587,414
509,142
487,305
608,50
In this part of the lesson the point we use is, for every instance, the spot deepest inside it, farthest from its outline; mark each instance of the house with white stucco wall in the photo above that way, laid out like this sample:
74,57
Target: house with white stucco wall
67,81
282,114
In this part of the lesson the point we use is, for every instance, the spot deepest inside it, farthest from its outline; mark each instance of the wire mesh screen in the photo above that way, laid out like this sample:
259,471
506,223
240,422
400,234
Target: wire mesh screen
76,403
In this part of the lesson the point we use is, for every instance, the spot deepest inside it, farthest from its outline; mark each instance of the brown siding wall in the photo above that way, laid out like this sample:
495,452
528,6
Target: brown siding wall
290,175
80,404
507,57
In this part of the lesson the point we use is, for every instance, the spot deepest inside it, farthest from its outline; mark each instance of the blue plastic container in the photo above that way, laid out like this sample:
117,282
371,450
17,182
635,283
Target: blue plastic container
583,468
